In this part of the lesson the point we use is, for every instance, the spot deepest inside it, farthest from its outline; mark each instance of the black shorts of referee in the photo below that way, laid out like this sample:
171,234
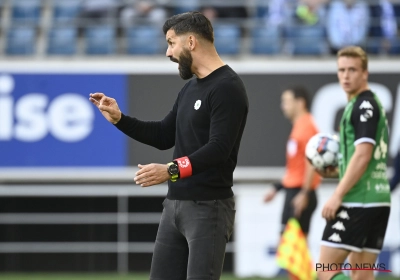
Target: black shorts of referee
306,214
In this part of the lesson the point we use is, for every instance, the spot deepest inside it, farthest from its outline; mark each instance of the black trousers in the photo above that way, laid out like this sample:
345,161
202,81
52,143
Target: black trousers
191,239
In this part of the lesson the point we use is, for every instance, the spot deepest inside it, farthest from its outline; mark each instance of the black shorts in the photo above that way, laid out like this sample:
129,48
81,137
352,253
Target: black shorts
357,229
288,210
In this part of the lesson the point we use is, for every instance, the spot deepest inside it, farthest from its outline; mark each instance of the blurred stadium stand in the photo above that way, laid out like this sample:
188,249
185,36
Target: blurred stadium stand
306,40
100,40
62,41
66,11
27,12
227,38
20,41
266,40
142,40
49,21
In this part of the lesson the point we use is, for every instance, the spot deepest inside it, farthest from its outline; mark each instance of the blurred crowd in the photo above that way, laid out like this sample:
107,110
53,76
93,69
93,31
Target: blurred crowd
347,22
373,24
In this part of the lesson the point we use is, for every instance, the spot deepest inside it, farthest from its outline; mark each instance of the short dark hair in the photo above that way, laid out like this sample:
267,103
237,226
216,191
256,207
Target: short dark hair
194,22
300,92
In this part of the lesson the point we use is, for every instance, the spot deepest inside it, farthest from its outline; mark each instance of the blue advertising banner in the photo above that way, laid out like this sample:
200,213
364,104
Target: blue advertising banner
48,120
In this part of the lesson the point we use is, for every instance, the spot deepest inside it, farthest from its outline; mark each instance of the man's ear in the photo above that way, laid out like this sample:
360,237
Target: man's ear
366,73
302,103
192,42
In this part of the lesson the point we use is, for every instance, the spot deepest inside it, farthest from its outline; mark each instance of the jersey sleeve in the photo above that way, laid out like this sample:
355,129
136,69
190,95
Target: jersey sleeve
365,119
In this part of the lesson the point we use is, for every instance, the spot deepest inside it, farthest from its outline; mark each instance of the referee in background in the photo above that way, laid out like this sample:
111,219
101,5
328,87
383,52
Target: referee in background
205,126
300,180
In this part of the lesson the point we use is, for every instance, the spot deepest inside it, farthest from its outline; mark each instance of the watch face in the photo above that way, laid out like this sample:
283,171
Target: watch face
173,169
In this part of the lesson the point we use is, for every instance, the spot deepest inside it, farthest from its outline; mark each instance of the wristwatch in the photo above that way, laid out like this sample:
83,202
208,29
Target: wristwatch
173,170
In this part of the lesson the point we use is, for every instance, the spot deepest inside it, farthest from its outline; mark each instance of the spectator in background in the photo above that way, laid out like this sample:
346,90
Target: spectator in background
143,11
183,6
227,14
99,10
280,12
384,27
219,9
396,176
310,12
235,10
209,12
347,23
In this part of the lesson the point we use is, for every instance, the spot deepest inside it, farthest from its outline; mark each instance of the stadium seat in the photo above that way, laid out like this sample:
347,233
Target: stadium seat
21,41
143,40
395,47
374,46
66,11
62,41
26,11
100,40
183,6
266,40
306,40
262,8
227,38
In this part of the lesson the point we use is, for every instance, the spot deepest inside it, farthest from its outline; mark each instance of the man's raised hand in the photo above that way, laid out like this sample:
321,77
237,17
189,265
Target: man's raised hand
108,106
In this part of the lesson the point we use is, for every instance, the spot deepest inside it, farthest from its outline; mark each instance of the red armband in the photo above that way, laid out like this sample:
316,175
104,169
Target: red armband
185,167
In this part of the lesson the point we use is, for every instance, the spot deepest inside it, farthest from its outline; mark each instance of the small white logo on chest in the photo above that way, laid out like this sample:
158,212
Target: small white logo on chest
197,105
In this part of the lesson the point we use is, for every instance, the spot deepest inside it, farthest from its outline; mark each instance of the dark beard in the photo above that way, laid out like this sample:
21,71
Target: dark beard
185,64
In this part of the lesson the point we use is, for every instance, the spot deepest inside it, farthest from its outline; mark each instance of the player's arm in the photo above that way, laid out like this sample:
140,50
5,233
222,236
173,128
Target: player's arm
356,168
159,134
308,177
229,106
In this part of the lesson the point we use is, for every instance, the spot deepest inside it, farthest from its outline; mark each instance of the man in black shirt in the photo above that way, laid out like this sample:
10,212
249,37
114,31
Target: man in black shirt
205,125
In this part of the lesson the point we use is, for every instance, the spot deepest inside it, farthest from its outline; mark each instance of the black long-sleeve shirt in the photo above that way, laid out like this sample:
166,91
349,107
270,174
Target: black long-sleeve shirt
205,124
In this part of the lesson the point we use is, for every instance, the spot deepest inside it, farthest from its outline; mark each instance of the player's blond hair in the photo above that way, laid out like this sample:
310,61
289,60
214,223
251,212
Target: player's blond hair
354,51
